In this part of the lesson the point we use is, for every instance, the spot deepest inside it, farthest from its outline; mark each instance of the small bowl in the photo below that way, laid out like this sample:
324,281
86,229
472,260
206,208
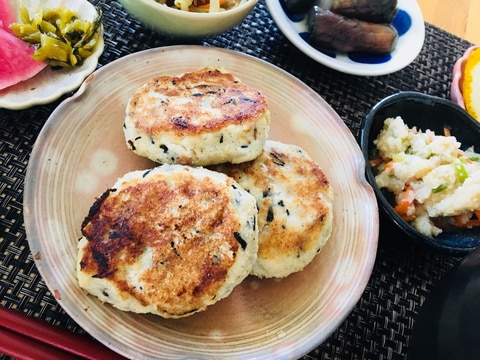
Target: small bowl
456,89
424,112
175,23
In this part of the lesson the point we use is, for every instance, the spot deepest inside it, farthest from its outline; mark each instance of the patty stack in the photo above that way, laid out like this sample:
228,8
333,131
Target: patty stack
224,202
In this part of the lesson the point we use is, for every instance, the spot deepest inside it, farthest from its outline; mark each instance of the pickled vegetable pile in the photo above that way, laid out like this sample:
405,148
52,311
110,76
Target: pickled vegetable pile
60,37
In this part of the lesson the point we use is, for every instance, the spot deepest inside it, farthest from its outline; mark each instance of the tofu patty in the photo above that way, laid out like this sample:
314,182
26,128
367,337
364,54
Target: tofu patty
169,241
199,118
295,205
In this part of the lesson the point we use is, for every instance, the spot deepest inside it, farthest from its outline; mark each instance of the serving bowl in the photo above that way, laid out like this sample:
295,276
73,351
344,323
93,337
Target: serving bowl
425,112
175,23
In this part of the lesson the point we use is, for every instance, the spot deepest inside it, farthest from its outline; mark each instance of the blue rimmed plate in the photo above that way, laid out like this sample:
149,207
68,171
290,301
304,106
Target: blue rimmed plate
408,22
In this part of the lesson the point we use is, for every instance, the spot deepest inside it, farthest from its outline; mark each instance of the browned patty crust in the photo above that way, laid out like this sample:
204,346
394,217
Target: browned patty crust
199,118
294,200
170,243
236,101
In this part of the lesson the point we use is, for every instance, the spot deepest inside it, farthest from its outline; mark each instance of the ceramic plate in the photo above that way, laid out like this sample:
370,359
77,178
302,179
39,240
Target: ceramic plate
81,151
48,85
409,23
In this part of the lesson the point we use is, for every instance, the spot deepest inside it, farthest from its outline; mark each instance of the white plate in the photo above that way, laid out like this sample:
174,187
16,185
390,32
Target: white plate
81,151
408,46
48,85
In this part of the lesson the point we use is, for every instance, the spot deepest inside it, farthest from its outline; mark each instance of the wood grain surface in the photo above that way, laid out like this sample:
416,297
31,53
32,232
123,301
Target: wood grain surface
459,17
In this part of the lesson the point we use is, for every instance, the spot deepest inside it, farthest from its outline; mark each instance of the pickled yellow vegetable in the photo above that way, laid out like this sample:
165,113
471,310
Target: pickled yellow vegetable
60,37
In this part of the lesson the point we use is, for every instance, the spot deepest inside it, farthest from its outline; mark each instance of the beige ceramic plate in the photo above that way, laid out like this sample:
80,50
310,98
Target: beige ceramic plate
48,85
81,151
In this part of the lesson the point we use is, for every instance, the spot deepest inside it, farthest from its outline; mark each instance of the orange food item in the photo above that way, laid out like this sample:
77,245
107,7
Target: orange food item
471,84
405,206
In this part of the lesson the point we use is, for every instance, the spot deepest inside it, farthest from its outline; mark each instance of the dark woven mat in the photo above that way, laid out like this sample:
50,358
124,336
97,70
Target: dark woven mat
380,325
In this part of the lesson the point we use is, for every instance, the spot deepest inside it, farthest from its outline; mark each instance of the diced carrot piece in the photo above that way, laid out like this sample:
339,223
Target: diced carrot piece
207,5
405,201
472,223
375,162
459,221
389,165
477,213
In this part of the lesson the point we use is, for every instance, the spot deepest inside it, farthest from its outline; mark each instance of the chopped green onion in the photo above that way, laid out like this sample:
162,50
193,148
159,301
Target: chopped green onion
440,188
472,155
398,157
460,170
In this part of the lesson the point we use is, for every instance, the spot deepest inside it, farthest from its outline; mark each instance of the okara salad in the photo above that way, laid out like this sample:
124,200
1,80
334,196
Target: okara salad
436,184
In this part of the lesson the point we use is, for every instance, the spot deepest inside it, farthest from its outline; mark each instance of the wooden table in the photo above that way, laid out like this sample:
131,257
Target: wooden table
459,17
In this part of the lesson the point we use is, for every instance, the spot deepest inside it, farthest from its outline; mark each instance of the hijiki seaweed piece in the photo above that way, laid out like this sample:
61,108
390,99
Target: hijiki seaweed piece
60,37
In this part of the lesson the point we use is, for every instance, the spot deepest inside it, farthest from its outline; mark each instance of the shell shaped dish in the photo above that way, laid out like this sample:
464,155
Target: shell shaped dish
175,23
48,85
425,112
81,151
409,23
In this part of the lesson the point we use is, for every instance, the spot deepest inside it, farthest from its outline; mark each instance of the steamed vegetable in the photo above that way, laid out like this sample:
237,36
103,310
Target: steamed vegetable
377,11
332,31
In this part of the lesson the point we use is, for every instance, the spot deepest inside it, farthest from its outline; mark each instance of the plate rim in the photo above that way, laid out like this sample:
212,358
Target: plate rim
50,125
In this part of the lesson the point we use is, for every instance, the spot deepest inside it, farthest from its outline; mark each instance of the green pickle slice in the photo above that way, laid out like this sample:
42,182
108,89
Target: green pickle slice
59,36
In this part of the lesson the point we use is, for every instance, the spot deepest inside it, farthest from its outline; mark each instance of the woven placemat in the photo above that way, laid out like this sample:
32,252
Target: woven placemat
380,326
